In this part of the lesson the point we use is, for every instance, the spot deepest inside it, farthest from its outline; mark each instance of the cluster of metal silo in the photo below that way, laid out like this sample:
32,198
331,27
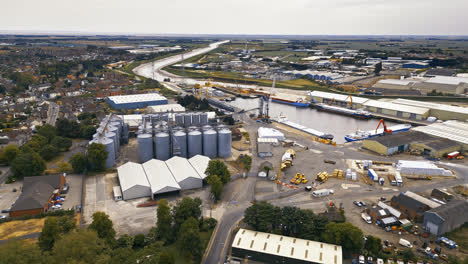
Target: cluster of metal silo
112,132
184,134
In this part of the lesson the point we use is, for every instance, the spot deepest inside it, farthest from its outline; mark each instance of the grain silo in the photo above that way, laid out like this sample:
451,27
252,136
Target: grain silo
109,144
203,119
179,119
224,143
206,127
115,129
179,144
210,141
163,146
145,147
165,117
187,120
113,136
196,119
194,143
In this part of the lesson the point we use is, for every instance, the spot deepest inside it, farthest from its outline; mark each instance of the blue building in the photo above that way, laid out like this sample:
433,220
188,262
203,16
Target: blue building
415,65
134,101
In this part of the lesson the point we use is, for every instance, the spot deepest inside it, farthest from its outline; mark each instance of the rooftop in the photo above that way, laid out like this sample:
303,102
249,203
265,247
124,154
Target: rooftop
445,107
166,108
422,199
338,97
396,82
453,130
200,164
131,174
392,210
134,98
288,247
452,209
396,107
159,176
447,80
181,168
440,72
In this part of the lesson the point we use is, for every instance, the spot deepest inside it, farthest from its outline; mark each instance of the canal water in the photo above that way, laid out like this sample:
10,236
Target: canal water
335,124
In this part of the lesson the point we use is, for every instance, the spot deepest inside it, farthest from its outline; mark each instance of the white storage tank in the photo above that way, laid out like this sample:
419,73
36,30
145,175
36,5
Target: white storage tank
203,119
179,144
145,147
163,145
210,143
194,143
187,120
224,143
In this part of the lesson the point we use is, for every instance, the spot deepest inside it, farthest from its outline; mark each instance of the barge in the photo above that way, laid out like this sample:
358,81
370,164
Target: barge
283,120
344,111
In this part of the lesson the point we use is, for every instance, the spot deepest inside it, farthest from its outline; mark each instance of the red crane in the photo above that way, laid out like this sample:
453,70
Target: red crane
386,131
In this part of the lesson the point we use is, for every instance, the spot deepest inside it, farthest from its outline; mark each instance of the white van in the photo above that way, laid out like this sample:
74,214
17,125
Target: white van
366,218
405,243
321,193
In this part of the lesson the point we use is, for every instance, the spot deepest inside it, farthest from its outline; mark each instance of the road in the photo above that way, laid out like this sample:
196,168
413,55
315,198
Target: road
52,113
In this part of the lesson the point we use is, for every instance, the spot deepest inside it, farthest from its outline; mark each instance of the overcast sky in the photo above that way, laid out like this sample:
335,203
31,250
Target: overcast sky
291,17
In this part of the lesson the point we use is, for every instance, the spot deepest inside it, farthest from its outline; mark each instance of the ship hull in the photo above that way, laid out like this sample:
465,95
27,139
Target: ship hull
288,102
355,115
351,139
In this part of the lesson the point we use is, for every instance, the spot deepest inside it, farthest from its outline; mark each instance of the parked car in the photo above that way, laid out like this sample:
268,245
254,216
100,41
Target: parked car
362,260
2,216
357,203
5,211
65,188
362,203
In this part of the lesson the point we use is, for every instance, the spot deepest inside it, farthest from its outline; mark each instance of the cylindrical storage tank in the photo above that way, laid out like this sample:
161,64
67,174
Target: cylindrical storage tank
163,146
210,141
154,118
113,136
191,128
145,147
224,143
179,119
109,143
194,143
165,117
196,119
179,144
206,127
115,129
203,119
187,120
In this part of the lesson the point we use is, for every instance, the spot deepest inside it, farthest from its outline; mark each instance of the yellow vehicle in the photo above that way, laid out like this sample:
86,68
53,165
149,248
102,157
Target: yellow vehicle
292,152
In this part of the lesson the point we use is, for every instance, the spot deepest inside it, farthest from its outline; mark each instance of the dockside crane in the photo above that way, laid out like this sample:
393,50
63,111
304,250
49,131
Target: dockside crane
386,131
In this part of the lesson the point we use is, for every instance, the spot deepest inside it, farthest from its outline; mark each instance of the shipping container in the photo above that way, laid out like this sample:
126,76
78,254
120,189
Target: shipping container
373,175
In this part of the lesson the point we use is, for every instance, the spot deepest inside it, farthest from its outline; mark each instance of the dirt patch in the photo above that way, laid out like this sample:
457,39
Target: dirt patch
20,228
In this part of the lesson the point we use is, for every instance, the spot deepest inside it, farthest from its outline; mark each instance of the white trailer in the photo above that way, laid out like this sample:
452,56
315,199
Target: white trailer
321,193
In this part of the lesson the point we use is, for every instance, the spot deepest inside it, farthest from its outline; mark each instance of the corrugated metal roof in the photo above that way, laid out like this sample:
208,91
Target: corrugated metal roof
131,174
447,80
200,163
445,107
338,97
181,169
159,176
396,82
396,107
453,130
422,199
166,108
134,98
288,247
392,210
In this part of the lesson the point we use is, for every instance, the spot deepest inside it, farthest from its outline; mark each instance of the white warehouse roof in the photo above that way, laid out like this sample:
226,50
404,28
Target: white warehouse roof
131,174
422,199
184,173
396,82
338,97
453,130
166,108
288,247
200,164
133,98
160,177
445,107
266,132
447,80
396,107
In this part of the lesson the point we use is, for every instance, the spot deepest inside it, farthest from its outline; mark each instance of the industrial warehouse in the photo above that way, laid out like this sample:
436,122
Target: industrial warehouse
136,100
272,248
156,177
400,108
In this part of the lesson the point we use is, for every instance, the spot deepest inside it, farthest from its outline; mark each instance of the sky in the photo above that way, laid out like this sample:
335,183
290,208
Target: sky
270,17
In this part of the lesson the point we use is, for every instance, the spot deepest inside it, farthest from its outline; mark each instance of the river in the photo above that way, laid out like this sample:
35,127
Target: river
335,124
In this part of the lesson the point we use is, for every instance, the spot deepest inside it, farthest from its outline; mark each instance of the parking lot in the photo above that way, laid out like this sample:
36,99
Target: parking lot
7,196
73,196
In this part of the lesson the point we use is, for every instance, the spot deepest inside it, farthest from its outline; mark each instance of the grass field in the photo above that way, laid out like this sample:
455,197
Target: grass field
20,228
460,235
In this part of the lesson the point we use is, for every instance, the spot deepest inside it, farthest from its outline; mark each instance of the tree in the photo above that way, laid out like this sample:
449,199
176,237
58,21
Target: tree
123,256
125,241
166,258
139,241
80,246
262,216
66,224
218,168
103,227
408,255
67,128
47,131
19,252
185,209
189,238
28,164
87,132
164,221
31,146
246,161
78,162
48,152
50,233
216,186
373,245
10,152
344,234
97,155
61,143
64,167
40,140
378,68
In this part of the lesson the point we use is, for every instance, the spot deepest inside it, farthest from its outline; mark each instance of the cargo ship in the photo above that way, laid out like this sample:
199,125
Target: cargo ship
283,120
344,111
298,103
362,135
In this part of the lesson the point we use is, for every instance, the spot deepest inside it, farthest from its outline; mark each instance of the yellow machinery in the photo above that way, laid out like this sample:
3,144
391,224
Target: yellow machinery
338,174
292,152
299,178
322,176
351,101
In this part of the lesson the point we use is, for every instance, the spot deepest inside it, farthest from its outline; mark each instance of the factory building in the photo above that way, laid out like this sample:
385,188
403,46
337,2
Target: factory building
318,75
272,248
412,205
440,111
133,181
444,84
157,177
411,141
446,218
415,65
167,108
402,111
338,99
453,130
136,101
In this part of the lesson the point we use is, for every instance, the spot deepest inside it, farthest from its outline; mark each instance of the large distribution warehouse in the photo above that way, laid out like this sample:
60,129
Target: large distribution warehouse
134,101
272,248
156,177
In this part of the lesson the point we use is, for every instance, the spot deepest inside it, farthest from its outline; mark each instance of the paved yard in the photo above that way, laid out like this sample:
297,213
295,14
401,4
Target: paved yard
73,197
7,196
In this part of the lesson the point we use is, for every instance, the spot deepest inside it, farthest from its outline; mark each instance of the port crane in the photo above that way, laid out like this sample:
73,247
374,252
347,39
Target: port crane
350,101
386,131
